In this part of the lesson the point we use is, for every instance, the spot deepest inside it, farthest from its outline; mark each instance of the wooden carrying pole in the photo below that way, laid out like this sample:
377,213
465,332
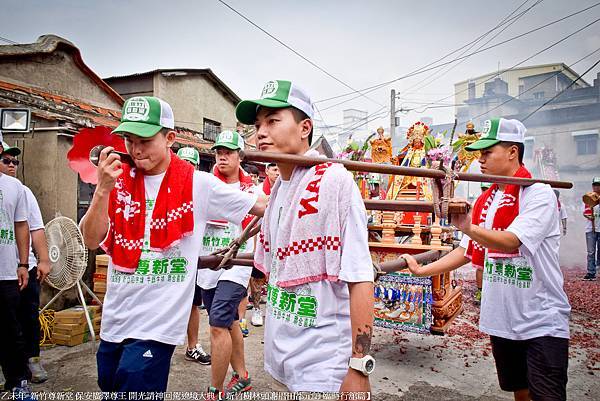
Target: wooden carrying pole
400,263
246,259
213,261
304,161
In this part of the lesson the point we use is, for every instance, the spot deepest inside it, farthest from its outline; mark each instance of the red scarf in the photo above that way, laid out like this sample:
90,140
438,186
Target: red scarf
266,187
172,217
246,184
507,210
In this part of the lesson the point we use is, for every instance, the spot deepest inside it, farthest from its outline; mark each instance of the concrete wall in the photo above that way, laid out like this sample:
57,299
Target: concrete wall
45,171
56,73
193,98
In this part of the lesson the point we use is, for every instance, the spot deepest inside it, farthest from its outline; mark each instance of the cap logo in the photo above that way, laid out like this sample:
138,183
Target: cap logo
270,89
225,137
487,126
137,109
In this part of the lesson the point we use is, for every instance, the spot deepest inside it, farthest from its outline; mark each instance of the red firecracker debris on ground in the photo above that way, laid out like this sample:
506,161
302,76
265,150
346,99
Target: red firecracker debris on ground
584,296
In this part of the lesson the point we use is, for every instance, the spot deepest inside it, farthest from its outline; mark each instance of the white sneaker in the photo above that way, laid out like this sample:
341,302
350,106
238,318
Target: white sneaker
38,373
257,319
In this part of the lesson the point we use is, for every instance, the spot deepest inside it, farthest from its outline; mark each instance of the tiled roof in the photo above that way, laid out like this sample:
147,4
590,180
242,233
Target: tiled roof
51,106
48,44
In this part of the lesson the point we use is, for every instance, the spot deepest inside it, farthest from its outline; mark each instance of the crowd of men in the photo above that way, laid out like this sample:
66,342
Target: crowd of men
155,217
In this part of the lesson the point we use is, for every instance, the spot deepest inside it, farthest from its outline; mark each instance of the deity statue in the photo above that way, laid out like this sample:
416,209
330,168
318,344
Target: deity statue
381,148
412,155
464,158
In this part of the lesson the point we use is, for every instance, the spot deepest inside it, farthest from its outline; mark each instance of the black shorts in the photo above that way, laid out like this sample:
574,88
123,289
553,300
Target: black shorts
222,303
257,273
538,364
197,296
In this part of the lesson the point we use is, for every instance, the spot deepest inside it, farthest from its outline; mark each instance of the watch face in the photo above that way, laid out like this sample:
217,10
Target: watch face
369,365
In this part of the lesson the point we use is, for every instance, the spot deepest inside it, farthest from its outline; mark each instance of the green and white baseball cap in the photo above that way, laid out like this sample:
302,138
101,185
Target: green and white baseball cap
499,130
276,95
189,154
230,140
596,181
10,150
145,115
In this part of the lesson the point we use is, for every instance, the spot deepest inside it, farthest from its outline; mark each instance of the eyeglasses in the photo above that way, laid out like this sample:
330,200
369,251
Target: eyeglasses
8,161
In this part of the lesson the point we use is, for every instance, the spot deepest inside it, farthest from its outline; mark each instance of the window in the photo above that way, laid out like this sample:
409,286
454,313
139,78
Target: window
529,143
538,95
211,129
586,142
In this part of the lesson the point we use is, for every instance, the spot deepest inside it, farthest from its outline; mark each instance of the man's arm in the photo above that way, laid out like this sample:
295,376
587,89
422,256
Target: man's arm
22,239
94,224
361,318
40,246
261,204
490,239
453,260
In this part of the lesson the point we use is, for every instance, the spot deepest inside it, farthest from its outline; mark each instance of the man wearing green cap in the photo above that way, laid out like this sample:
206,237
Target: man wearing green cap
313,247
150,218
189,155
39,267
224,290
513,234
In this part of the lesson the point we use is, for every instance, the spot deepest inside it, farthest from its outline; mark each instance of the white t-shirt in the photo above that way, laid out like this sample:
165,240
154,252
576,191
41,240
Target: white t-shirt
217,236
588,222
35,222
308,335
13,208
523,297
154,303
562,211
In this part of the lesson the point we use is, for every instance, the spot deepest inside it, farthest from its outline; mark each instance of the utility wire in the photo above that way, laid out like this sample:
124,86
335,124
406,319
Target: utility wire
379,113
363,123
296,52
507,19
472,43
428,68
561,92
536,85
12,42
522,61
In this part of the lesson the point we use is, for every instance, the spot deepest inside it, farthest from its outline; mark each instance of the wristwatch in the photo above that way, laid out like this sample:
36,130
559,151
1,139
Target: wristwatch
23,265
365,365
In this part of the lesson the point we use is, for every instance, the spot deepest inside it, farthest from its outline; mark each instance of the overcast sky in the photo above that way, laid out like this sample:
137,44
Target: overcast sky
362,43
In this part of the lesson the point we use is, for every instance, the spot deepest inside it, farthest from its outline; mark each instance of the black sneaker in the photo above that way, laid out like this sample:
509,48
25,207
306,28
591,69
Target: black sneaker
589,277
197,354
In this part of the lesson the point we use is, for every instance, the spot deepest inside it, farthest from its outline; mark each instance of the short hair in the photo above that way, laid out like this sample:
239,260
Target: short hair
251,169
299,116
520,146
271,165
